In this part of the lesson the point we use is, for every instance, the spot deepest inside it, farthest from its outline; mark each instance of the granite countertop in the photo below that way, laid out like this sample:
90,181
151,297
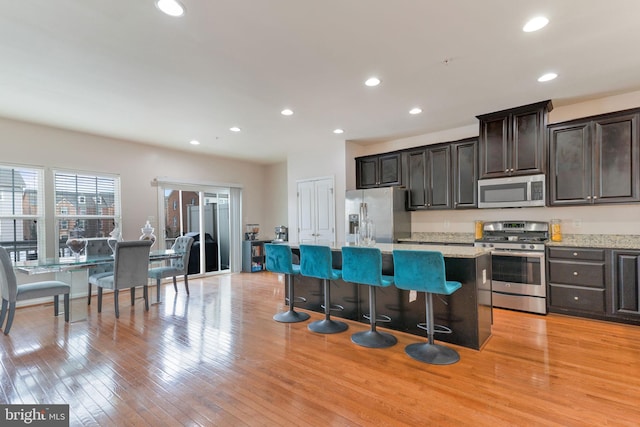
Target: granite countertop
439,237
449,251
610,241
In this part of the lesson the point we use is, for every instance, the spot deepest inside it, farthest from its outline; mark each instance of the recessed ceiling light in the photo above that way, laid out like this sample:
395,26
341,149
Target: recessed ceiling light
372,81
535,24
338,131
170,7
547,77
234,129
286,112
194,142
416,110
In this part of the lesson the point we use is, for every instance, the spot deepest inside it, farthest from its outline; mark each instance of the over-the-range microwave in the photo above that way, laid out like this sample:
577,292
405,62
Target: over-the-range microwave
512,192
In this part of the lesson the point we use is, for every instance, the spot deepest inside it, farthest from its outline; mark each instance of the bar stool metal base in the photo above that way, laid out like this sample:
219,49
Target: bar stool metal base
434,354
374,339
327,326
290,316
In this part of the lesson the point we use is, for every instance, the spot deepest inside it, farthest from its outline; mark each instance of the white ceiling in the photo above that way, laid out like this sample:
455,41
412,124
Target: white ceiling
121,68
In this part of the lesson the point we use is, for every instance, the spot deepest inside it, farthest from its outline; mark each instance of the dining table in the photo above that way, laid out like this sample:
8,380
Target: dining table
74,270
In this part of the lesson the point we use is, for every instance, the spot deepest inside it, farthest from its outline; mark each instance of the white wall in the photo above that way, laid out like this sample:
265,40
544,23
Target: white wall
608,219
276,211
137,165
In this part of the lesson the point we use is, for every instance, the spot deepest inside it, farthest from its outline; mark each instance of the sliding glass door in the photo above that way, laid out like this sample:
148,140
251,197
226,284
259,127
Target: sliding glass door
205,215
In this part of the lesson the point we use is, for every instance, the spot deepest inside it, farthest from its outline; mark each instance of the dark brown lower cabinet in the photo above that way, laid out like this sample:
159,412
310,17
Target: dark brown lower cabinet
577,281
597,283
626,284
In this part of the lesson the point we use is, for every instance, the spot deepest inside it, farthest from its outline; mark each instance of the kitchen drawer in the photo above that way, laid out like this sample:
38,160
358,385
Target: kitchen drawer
577,253
589,274
577,298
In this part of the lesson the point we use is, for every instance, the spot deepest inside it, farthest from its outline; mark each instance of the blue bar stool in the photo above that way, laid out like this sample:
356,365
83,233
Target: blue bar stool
364,266
424,271
315,261
279,260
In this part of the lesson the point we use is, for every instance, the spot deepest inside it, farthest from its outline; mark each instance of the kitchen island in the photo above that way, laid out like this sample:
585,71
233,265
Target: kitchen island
467,312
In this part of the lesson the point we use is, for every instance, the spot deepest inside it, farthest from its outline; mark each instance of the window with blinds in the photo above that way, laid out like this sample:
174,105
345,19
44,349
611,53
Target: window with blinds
85,205
21,210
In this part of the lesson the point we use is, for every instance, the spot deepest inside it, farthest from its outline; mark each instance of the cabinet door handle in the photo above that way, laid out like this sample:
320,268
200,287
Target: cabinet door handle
588,197
575,254
506,170
511,170
576,298
595,197
575,273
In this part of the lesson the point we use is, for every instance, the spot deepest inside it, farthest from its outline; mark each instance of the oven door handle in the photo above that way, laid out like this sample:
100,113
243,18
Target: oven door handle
539,255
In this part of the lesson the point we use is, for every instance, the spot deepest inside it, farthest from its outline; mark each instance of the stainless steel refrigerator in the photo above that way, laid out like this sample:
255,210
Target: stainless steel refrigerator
386,207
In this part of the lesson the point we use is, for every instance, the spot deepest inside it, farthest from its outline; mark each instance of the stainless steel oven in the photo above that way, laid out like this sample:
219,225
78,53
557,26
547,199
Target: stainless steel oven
518,280
518,277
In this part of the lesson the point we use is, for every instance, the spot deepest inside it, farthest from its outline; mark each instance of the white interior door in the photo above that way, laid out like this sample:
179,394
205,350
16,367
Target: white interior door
325,212
306,209
316,211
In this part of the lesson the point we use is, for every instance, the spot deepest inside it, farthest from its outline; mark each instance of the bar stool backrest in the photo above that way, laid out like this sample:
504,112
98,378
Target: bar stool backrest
279,259
316,261
364,266
420,271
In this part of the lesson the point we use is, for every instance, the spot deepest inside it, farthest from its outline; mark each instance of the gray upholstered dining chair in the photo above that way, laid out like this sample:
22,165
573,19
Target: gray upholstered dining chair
130,268
11,292
98,247
177,267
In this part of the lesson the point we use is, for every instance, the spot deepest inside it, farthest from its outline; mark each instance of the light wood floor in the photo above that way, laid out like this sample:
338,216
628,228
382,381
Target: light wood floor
217,358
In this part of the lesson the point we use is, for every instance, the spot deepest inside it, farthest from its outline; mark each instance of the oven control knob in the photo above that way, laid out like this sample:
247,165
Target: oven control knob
531,247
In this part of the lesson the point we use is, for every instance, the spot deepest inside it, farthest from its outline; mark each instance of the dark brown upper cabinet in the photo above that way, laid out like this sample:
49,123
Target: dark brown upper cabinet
512,142
595,160
429,178
383,170
464,155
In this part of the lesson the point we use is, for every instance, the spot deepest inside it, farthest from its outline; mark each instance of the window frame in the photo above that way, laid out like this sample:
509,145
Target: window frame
81,215
39,218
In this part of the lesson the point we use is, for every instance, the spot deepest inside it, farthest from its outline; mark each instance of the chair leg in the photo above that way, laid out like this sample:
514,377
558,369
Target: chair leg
290,316
327,326
89,295
158,290
186,283
132,292
372,338
115,302
175,284
3,313
99,299
145,293
430,352
66,308
12,311
56,300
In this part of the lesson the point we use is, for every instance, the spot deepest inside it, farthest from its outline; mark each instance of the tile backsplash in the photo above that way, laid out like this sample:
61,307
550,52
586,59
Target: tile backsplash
623,219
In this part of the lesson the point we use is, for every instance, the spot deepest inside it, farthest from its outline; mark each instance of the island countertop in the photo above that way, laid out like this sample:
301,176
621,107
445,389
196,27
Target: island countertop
448,251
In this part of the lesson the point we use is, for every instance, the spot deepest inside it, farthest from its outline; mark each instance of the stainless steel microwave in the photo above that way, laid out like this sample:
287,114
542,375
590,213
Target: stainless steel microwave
512,192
